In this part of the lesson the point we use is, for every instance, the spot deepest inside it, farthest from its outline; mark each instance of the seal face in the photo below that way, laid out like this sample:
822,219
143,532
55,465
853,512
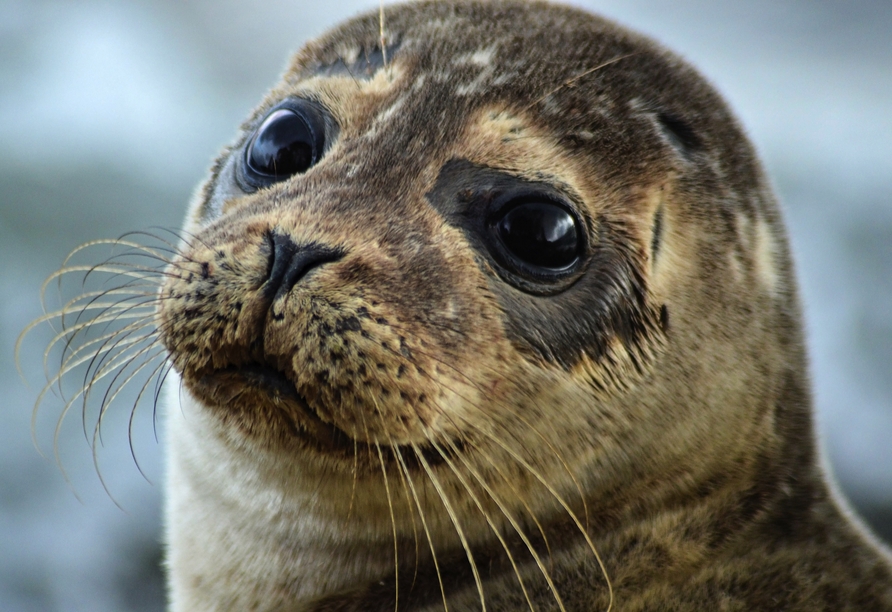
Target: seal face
490,305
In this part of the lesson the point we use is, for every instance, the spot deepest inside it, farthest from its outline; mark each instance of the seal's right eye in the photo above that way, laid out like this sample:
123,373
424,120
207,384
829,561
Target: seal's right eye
537,237
289,141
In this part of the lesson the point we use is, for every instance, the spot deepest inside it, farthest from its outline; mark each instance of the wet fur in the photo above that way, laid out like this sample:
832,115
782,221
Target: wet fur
641,438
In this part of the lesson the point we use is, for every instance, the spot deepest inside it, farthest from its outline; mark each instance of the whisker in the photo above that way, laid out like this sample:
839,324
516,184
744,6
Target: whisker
58,429
570,82
74,344
110,396
110,351
117,365
183,235
455,522
488,518
159,384
402,463
536,474
85,389
486,416
59,336
68,367
122,309
119,242
514,413
396,563
131,422
138,327
500,504
513,521
558,498
381,33
111,392
168,247
136,317
355,477
393,449
414,525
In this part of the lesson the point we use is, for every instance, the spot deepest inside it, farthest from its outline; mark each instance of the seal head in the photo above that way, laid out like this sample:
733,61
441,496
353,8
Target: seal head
483,296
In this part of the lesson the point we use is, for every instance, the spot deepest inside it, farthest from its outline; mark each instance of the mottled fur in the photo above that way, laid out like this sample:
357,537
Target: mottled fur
452,433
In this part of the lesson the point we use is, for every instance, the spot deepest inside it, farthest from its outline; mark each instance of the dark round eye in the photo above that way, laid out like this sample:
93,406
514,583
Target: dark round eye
288,142
540,234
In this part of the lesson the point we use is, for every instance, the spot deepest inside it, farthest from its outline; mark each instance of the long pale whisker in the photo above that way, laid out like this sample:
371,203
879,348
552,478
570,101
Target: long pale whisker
127,290
571,81
500,504
122,359
98,365
559,498
136,317
455,522
86,358
493,527
110,396
97,376
414,526
144,308
159,384
131,421
402,463
514,413
396,557
59,336
61,419
104,242
94,346
94,447
390,505
485,415
112,392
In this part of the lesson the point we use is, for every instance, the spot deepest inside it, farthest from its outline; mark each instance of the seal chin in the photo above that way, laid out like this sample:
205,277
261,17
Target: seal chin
258,393
260,388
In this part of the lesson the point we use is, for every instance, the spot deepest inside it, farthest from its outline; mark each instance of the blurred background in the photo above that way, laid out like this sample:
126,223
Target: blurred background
111,112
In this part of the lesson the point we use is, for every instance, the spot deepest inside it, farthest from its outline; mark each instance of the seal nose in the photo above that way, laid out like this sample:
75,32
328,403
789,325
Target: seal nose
288,263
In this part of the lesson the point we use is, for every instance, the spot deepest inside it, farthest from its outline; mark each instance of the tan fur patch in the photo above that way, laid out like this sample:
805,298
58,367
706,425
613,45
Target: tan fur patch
765,257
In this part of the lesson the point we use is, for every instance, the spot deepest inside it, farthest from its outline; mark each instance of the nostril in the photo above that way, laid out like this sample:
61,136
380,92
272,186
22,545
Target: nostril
290,262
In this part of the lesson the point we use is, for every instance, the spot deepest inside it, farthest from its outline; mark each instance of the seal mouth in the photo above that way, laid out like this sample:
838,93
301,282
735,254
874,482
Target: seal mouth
279,387
304,422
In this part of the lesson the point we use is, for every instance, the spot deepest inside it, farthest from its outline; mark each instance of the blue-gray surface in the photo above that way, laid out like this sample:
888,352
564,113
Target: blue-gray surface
111,111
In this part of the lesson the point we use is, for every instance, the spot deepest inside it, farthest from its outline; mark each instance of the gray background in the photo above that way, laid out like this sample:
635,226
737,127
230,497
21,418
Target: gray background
110,113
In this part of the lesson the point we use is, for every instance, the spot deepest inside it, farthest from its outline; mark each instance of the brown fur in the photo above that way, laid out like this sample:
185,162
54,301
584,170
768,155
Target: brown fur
461,433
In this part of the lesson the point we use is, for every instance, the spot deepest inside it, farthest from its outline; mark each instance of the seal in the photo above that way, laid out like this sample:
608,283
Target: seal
490,305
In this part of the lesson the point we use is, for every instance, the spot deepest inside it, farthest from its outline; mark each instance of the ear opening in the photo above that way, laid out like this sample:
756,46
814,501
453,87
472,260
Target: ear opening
680,134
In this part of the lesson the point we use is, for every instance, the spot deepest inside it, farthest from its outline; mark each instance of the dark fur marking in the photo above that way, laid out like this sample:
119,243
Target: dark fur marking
657,232
347,324
364,67
553,327
680,134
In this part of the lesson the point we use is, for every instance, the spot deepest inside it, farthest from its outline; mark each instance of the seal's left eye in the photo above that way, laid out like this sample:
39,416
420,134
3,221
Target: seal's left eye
288,142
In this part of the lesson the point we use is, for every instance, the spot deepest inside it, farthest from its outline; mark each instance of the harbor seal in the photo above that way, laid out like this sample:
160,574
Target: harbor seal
490,306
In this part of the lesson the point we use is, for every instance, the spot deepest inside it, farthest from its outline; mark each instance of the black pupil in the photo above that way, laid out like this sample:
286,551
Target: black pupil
283,146
540,234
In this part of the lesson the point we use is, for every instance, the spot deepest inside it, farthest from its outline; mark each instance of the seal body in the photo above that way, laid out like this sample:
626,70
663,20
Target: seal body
490,305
